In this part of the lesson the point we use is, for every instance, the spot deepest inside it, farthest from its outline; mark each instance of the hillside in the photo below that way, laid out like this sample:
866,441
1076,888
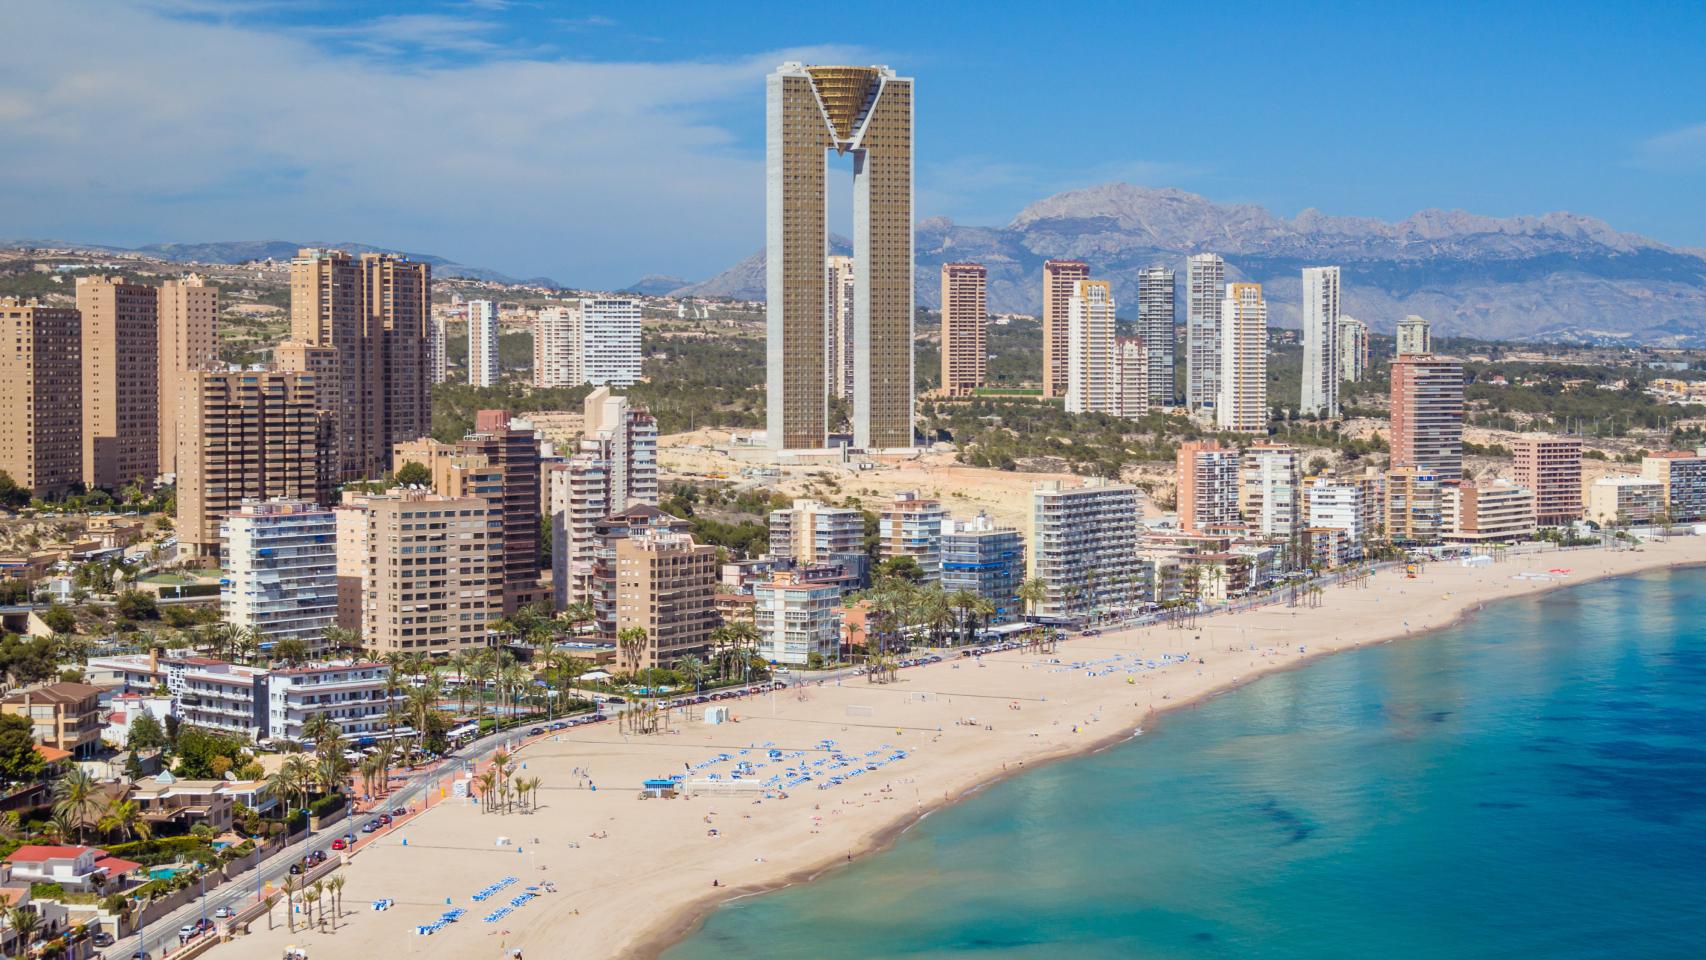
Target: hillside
1559,276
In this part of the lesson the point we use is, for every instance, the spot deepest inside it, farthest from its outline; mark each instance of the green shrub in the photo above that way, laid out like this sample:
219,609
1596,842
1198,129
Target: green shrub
46,891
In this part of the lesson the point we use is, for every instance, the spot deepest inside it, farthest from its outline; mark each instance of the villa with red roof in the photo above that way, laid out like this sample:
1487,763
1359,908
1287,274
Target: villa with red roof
73,867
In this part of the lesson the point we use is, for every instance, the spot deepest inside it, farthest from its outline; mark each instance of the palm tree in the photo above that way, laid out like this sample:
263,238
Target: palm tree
568,668
26,922
289,886
463,661
485,782
1033,593
631,645
124,819
78,800
480,670
692,670
336,885
962,601
292,780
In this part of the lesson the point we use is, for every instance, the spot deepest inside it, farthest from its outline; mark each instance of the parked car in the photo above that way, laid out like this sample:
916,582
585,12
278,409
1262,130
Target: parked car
339,844
536,731
384,819
370,826
296,868
103,939
400,812
225,913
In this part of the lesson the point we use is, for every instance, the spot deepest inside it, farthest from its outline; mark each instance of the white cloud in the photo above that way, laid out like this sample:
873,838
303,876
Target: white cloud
1680,149
127,125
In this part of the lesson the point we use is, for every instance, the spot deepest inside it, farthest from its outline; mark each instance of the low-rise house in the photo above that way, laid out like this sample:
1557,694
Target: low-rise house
62,715
72,867
164,800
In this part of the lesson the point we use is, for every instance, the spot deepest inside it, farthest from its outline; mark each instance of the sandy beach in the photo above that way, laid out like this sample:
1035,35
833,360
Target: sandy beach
632,876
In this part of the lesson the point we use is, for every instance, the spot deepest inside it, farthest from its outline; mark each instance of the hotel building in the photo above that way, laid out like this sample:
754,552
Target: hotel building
1208,485
1083,546
1427,415
1552,468
1499,511
281,571
1242,405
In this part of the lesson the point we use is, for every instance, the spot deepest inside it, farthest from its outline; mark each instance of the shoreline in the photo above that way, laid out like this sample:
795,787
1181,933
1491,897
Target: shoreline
635,878
689,918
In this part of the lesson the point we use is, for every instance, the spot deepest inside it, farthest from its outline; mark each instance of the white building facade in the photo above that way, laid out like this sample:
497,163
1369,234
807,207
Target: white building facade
1320,394
280,560
482,343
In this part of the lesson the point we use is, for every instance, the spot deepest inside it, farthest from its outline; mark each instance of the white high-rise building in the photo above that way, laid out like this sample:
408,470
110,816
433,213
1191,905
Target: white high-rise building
1091,370
1320,395
1353,349
1268,489
1205,287
1243,402
1083,546
610,338
557,348
436,356
1155,328
615,467
838,326
1340,505
1415,336
482,343
281,571
1131,378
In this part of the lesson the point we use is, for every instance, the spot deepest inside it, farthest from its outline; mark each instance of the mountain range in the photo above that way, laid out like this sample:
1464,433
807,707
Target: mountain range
1559,276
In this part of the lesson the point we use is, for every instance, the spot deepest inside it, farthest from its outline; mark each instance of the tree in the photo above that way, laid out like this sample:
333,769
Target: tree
290,650
136,605
145,733
59,618
123,818
197,748
631,645
12,496
412,474
1033,593
19,761
26,922
77,799
902,567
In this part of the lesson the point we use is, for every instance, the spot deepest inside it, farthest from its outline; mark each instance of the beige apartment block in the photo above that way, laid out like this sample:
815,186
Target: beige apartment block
865,112
965,325
1060,285
1243,402
431,579
244,435
665,584
121,420
1552,468
41,380
189,340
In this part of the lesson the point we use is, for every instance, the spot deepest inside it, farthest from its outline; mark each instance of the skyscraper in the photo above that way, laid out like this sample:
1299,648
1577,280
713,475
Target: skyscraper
1090,365
610,341
121,377
1427,415
865,111
1415,335
1131,378
189,340
1268,490
1155,327
1243,401
965,318
41,391
557,348
1060,285
482,343
244,435
1205,287
838,325
1353,349
615,467
375,313
437,357
1320,394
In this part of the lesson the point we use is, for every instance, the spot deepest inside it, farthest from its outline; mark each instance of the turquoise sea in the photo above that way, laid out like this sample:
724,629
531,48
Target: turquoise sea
1530,784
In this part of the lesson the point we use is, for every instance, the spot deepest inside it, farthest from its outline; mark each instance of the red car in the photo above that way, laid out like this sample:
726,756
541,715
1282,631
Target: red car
339,844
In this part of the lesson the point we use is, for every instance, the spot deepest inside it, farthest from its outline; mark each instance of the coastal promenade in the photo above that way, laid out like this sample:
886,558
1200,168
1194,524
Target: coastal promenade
631,875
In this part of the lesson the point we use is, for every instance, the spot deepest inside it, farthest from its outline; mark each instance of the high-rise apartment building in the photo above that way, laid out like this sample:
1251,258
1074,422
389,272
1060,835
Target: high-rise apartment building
188,340
812,532
1205,288
1353,349
1060,284
244,435
1682,476
483,368
41,383
865,111
639,520
838,325
438,357
1320,395
557,348
911,526
281,571
1413,506
1551,467
610,341
1155,327
1415,336
664,586
1091,368
1625,501
1270,475
1427,415
980,556
613,468
1243,402
1083,546
121,381
375,312
965,321
1131,378
1207,485
429,570
1336,504
796,619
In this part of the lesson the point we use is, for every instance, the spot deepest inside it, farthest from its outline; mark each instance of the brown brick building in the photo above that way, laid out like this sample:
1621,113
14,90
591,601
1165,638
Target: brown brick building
41,377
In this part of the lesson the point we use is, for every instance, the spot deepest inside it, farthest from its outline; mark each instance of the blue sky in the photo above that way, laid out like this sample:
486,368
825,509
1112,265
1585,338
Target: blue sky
595,143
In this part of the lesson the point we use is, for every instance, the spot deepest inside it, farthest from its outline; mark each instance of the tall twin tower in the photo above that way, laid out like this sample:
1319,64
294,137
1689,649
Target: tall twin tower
866,112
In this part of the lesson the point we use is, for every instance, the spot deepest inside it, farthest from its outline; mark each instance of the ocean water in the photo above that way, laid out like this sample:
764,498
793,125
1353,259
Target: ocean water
1530,784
